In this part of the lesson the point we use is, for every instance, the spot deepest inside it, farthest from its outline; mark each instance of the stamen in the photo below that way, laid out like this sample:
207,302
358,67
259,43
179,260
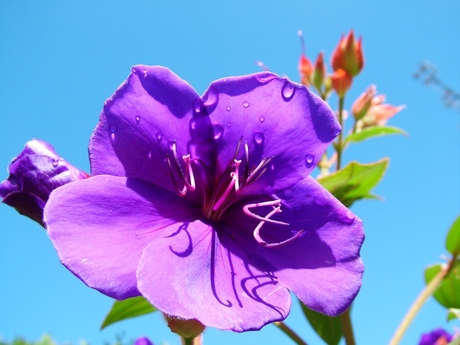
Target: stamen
256,232
246,163
261,165
184,189
189,172
273,203
233,183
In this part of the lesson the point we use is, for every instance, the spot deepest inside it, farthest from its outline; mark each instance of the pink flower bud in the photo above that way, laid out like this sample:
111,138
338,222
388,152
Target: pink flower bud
341,82
305,69
363,103
348,55
319,72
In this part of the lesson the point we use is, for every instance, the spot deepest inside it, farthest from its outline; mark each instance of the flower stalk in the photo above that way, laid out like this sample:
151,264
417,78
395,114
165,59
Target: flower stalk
420,301
339,144
347,327
290,333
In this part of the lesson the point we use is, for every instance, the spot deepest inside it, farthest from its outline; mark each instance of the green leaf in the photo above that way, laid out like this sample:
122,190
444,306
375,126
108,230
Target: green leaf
355,181
448,293
453,313
327,327
453,238
126,309
371,132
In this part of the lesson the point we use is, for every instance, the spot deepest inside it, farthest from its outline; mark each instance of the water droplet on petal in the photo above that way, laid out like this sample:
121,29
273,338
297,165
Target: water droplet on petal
55,162
228,108
218,131
265,78
145,73
193,124
288,90
229,124
159,136
149,155
245,104
211,97
262,118
138,118
113,128
309,160
336,132
350,215
197,105
347,217
259,138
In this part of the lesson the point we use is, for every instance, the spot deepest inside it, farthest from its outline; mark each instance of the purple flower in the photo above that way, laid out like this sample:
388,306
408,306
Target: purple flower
143,341
205,205
33,175
437,337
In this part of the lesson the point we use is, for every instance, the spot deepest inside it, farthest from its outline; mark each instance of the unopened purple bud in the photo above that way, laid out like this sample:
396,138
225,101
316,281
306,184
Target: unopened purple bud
33,175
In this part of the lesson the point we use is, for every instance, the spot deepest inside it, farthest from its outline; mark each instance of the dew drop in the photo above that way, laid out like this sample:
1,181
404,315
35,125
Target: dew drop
197,105
218,131
229,124
288,90
193,124
262,118
55,162
138,118
145,73
265,78
159,136
149,155
245,104
228,108
113,128
309,160
259,138
350,215
336,132
211,97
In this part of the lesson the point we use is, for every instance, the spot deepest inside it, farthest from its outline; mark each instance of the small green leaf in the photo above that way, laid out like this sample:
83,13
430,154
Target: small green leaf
453,313
371,132
453,238
126,309
448,293
355,181
327,327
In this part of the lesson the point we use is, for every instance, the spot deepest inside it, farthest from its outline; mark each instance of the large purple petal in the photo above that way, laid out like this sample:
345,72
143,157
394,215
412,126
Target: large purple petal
33,175
152,109
101,225
322,266
193,273
277,118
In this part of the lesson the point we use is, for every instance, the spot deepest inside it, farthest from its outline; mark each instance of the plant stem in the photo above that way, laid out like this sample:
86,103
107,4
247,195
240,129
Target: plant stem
420,301
191,341
347,328
290,333
339,146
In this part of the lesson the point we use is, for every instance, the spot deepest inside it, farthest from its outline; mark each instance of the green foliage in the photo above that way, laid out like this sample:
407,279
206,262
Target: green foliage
453,238
127,309
44,340
371,132
453,313
355,181
448,293
328,328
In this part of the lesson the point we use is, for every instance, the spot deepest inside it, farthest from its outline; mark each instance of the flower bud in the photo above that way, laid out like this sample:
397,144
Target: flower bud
363,103
348,55
341,82
187,329
305,69
143,341
319,72
33,175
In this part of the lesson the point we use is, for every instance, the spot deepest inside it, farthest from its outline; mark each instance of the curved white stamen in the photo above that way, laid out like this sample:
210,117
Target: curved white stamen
233,183
261,165
276,209
184,189
189,172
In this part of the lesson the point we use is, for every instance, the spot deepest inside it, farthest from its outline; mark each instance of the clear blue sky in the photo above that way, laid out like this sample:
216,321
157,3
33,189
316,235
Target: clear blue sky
60,60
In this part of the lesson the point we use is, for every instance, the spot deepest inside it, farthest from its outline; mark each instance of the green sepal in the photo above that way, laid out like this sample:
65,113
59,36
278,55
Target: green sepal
127,309
453,313
371,132
327,327
448,292
453,238
355,181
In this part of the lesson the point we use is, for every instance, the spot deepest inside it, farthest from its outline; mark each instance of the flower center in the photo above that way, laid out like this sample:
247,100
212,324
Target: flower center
220,194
